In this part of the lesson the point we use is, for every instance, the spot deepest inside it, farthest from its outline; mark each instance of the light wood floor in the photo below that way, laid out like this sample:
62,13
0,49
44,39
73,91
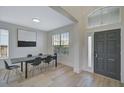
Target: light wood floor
63,76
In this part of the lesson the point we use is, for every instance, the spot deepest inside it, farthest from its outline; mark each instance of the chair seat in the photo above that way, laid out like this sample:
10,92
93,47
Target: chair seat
13,67
35,64
48,59
46,62
36,61
30,61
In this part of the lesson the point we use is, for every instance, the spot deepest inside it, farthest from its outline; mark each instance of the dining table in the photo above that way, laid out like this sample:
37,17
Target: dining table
25,60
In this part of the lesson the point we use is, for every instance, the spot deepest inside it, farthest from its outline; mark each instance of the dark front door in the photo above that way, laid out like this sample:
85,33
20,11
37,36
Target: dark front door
107,53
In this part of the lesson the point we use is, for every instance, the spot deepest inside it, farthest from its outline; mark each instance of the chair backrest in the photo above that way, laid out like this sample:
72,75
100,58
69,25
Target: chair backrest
29,55
6,64
55,54
37,61
49,59
40,54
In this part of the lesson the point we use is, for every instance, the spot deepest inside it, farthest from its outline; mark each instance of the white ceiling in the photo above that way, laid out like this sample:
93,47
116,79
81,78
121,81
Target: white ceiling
22,15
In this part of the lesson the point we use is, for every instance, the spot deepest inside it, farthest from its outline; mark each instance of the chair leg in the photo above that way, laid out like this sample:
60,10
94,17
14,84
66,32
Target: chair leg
38,68
41,67
8,76
45,67
33,71
20,74
52,64
5,75
48,66
16,71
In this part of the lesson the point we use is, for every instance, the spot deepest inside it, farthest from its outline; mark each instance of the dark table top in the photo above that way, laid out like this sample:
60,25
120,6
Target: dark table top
24,59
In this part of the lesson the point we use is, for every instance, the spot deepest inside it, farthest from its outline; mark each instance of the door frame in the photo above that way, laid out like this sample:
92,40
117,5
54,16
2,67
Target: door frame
91,32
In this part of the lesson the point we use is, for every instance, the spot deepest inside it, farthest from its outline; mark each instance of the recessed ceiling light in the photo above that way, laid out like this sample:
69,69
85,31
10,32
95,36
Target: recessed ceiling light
36,20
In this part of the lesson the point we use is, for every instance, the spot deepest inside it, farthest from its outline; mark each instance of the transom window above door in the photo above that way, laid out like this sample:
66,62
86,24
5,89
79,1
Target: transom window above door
104,16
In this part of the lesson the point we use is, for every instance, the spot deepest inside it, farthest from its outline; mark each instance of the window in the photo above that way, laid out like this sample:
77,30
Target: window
3,43
56,40
60,43
89,51
56,43
104,16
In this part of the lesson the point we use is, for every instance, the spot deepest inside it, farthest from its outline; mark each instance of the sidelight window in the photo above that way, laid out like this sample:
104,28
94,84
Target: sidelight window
89,51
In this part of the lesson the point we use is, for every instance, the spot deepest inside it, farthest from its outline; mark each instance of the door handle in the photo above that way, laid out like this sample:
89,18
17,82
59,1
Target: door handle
96,55
111,59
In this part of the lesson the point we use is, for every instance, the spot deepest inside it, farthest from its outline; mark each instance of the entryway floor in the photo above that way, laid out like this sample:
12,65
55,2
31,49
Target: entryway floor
63,76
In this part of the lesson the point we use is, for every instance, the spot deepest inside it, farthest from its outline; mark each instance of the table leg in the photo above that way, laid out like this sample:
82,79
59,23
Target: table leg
21,66
26,70
56,61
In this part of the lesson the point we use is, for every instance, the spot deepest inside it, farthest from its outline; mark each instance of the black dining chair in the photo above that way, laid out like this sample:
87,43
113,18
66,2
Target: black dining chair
40,54
31,61
9,69
54,58
55,54
29,55
36,64
48,60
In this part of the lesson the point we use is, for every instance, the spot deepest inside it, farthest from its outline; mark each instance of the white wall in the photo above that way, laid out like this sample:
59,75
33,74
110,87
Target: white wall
79,33
15,51
81,14
64,59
